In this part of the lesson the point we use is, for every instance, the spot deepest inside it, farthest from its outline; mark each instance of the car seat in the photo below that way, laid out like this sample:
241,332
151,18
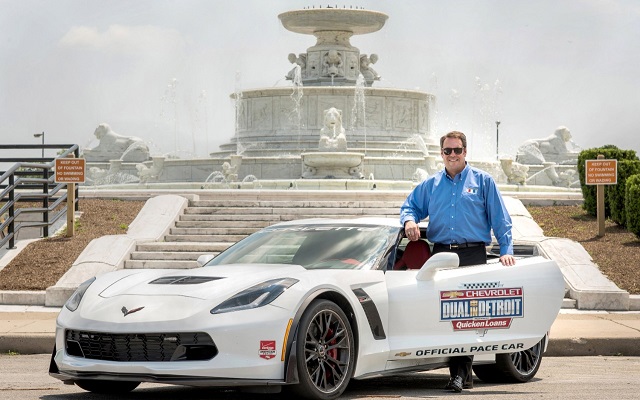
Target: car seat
415,255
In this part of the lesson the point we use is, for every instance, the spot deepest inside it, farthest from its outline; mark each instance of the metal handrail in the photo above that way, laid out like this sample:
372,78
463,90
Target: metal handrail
15,187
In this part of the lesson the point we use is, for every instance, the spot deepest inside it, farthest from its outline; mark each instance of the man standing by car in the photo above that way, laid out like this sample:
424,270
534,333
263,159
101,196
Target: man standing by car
463,204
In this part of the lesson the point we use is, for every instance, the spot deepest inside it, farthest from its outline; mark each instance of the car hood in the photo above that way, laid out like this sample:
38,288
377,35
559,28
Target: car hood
207,283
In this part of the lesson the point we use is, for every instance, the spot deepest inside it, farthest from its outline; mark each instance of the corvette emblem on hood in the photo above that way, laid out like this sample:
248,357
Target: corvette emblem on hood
127,312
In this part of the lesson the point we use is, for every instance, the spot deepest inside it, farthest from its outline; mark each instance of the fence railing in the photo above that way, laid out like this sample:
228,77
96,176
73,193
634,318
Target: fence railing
31,180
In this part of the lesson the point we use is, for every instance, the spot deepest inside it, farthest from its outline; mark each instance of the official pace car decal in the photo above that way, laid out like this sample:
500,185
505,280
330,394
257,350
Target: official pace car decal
267,349
481,308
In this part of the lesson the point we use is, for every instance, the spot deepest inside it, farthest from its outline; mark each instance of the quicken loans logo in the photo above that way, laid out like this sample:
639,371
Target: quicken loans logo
481,308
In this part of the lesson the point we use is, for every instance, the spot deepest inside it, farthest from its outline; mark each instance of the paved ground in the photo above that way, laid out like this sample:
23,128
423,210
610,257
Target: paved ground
24,377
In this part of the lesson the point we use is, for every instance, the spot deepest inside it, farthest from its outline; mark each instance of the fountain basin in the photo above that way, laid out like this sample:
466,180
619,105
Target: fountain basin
309,21
267,121
334,165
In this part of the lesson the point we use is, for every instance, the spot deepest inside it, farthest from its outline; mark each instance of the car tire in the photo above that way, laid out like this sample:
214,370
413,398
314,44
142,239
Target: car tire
516,367
107,387
326,352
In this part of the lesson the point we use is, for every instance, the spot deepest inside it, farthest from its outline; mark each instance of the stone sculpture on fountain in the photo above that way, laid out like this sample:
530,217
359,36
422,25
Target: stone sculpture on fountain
299,60
332,133
332,160
230,169
557,148
113,146
150,174
367,70
516,173
550,161
332,64
114,175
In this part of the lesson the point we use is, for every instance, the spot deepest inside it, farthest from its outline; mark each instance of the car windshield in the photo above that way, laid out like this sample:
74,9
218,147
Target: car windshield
313,247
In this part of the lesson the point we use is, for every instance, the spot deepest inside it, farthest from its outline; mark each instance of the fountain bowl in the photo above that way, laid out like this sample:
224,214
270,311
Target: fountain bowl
335,165
332,159
310,21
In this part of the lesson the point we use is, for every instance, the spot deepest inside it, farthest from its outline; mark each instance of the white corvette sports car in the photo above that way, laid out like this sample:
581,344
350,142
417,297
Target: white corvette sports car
307,306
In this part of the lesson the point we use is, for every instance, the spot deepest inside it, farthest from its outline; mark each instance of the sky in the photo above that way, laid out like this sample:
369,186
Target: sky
164,71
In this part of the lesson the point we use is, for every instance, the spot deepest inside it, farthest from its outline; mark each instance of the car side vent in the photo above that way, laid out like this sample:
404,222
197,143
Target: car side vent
183,280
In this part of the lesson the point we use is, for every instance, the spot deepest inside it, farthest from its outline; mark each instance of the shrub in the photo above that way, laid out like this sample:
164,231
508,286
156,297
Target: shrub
615,194
632,204
609,152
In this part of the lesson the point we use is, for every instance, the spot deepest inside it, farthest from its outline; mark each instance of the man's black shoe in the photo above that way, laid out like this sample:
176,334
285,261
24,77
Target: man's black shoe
454,384
449,384
468,384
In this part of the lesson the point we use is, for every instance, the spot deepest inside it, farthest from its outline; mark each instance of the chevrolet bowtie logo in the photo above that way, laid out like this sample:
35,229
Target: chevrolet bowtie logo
403,354
451,295
127,312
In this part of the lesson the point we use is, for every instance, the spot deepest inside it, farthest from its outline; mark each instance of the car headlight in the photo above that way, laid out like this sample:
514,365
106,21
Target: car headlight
255,296
74,301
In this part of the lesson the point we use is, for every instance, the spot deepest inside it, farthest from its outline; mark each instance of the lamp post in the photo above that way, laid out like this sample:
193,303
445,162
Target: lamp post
497,139
37,135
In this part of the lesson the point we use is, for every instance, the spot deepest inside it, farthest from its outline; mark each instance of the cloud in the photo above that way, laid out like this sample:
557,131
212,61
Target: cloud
124,39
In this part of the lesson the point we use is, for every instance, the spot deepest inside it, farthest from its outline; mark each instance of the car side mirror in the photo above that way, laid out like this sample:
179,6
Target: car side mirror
436,263
203,259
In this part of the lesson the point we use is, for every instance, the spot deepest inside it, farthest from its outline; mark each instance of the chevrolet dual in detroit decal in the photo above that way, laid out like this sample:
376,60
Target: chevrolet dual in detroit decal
490,308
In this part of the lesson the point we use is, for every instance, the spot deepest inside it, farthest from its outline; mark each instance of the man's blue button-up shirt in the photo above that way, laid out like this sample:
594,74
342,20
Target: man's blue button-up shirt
460,210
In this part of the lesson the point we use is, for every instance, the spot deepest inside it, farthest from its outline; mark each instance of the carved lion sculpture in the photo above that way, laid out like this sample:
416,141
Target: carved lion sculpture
332,133
113,146
557,147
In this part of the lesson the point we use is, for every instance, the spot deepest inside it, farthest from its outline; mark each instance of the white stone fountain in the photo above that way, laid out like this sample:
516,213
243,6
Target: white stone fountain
284,138
280,135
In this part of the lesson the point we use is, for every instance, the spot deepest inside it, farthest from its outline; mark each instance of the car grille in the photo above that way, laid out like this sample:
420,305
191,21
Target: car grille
183,346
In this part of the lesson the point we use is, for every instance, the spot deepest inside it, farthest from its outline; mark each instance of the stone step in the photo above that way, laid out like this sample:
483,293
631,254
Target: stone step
279,218
269,218
277,204
213,231
227,210
204,238
194,247
228,224
294,210
168,255
392,196
158,264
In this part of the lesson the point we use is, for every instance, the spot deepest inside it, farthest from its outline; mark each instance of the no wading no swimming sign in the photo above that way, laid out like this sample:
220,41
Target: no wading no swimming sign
601,172
70,170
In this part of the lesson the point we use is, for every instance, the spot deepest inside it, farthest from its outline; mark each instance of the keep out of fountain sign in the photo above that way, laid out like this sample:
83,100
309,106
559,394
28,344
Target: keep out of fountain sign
70,170
601,172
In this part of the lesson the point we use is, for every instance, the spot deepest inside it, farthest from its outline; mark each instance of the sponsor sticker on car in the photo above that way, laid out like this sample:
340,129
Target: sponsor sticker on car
267,349
480,309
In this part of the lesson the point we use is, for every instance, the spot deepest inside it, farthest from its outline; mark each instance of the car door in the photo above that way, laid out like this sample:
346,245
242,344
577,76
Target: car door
442,310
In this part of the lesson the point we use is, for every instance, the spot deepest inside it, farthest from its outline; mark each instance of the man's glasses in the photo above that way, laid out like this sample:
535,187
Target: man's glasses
448,150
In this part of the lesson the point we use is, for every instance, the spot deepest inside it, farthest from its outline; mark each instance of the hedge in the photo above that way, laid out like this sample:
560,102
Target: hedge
632,204
615,194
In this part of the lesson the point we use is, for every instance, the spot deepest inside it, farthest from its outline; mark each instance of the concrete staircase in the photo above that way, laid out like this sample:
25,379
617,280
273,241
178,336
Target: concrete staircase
211,222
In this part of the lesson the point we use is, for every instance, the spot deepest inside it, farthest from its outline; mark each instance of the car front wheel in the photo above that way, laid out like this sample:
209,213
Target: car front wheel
512,367
325,348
